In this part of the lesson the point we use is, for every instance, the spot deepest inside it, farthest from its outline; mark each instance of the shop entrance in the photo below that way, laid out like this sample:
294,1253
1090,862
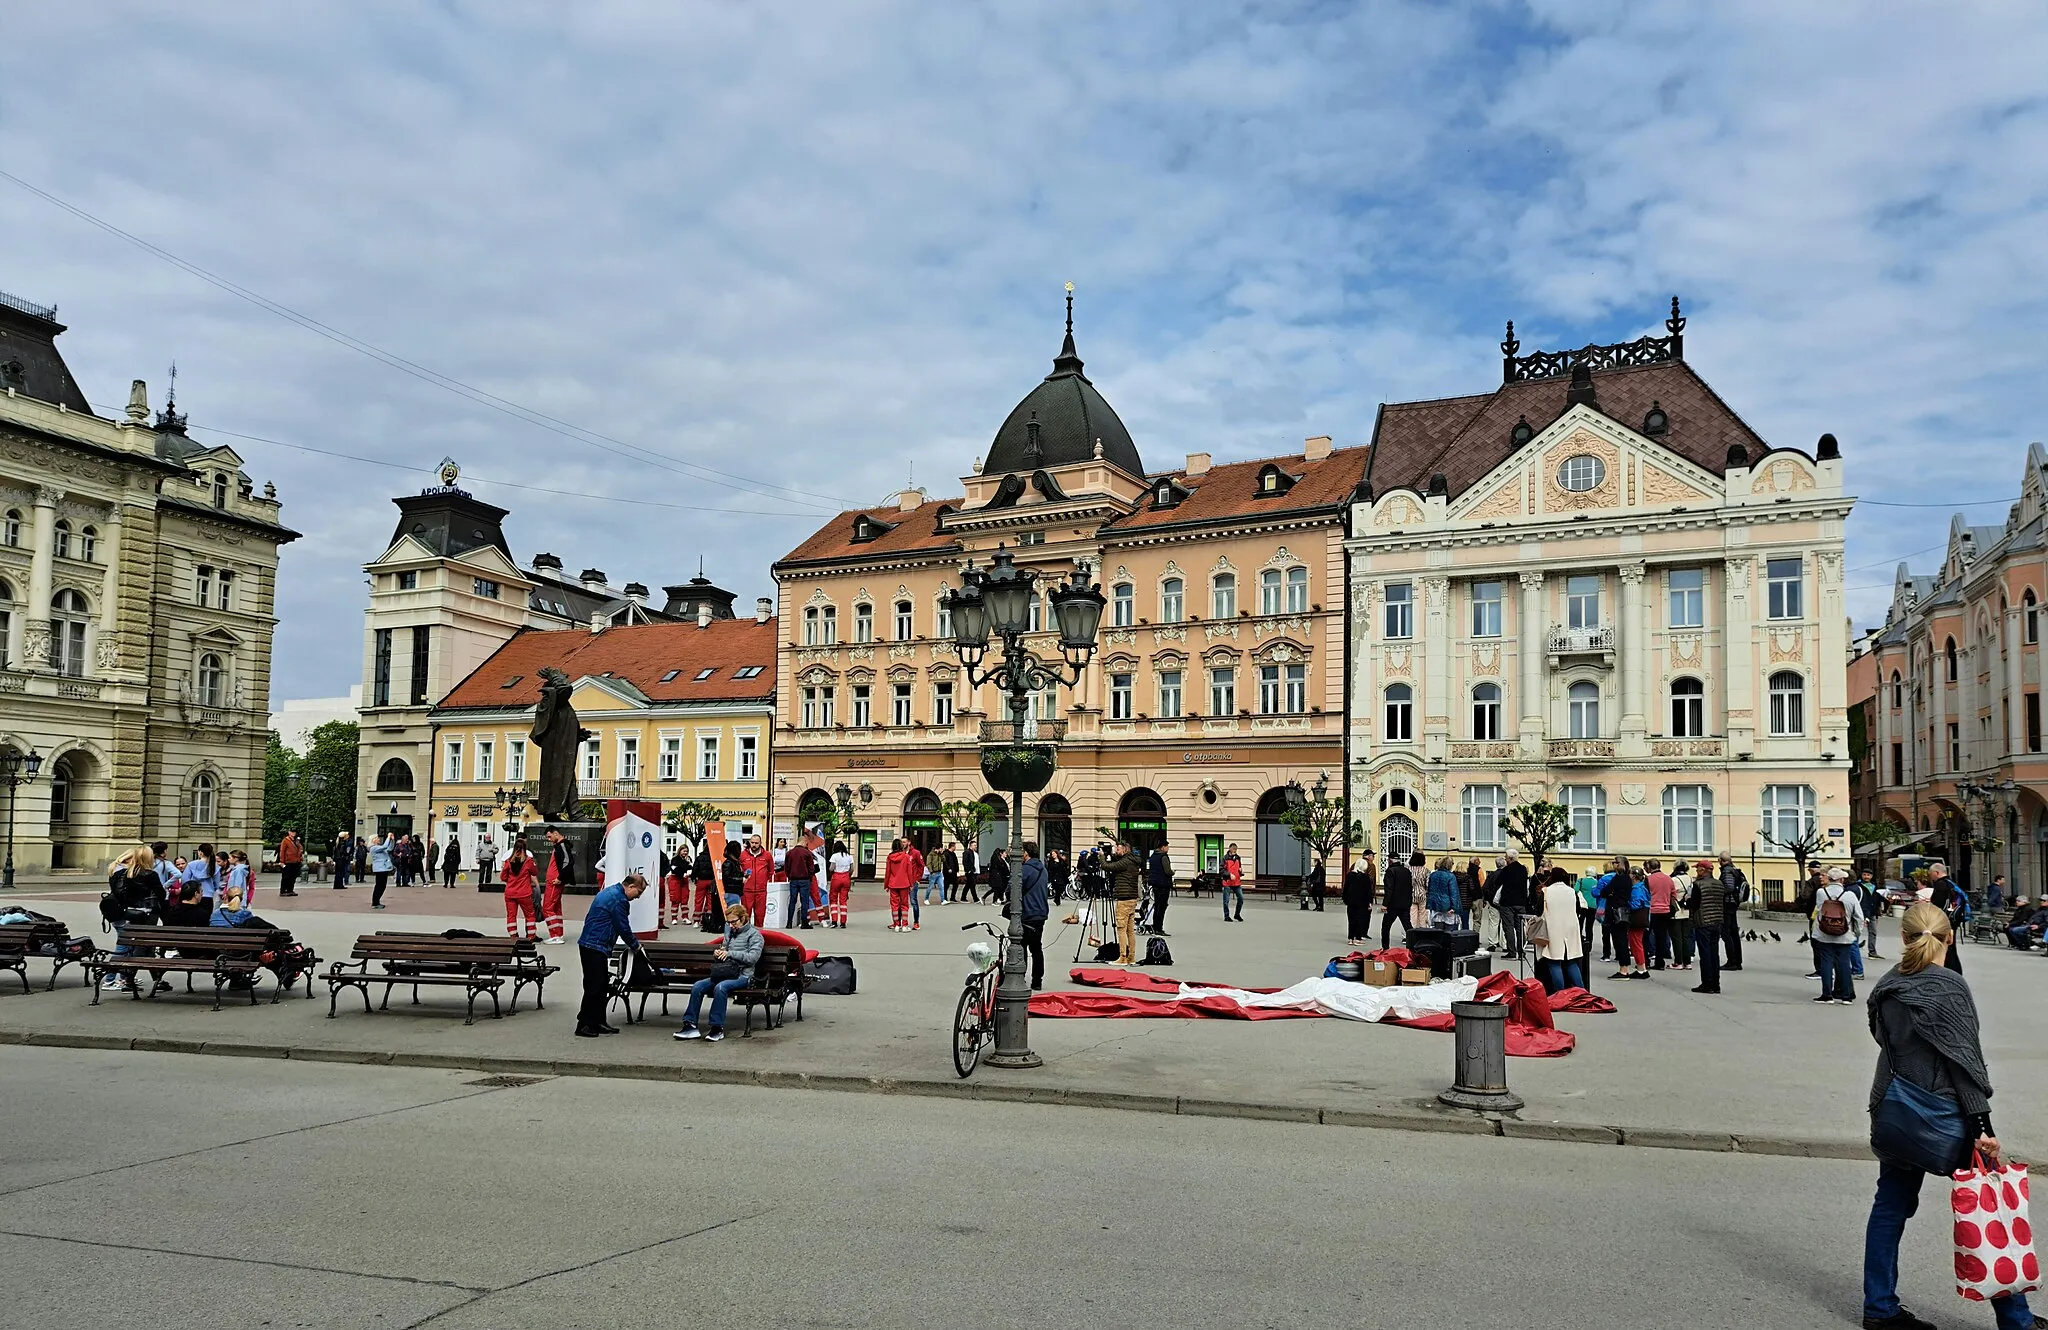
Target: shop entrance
1141,820
1055,825
996,835
921,824
1279,857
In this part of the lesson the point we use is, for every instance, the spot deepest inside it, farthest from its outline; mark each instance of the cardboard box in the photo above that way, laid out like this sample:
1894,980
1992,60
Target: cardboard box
1379,974
1415,978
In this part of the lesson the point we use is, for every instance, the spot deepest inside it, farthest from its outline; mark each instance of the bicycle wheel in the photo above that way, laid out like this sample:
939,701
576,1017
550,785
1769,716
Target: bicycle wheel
969,1031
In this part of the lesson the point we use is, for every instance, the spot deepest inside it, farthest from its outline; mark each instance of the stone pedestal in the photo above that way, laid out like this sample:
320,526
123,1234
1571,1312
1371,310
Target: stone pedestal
586,841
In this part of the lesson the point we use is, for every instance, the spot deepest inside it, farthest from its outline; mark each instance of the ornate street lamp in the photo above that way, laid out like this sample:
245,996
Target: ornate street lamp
998,602
17,769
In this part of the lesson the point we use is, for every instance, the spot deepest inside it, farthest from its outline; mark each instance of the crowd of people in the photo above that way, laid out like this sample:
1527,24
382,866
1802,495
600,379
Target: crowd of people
403,859
149,885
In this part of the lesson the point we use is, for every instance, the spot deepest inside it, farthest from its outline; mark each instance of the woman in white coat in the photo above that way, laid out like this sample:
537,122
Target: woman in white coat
1562,958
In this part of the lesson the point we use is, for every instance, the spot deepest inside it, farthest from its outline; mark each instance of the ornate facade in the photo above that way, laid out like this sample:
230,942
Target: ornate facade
138,575
1598,586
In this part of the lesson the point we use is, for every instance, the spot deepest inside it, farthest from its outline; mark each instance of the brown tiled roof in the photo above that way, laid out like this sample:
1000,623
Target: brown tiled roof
915,531
1229,493
640,655
1467,437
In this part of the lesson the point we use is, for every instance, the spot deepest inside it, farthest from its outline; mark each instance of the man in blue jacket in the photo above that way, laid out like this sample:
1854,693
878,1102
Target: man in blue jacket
1031,874
610,918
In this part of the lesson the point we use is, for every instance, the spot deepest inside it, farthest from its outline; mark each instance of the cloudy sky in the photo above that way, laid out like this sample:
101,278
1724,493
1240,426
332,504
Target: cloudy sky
761,261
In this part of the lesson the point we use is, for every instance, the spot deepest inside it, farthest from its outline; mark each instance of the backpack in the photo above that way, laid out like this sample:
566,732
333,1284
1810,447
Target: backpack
1106,953
1157,952
1834,916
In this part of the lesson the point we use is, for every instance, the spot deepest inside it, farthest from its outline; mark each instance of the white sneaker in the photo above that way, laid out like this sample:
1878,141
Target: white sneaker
556,941
688,1032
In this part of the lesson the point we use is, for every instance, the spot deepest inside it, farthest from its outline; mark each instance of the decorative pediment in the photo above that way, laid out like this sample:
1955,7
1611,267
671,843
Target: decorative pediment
1281,559
1279,652
407,549
819,597
860,674
1121,660
1169,660
1220,656
1397,509
598,693
817,676
216,635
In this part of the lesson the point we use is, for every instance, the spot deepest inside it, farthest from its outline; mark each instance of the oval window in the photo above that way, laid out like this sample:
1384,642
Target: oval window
1582,473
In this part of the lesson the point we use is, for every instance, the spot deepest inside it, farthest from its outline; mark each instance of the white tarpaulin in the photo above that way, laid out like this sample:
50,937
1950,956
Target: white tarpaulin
1352,1000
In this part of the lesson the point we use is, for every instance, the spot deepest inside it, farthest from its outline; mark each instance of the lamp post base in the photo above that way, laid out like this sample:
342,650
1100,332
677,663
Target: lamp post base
1023,1060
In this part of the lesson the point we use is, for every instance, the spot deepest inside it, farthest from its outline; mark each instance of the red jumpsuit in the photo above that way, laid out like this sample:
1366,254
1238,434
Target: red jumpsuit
519,899
898,878
755,894
677,885
551,895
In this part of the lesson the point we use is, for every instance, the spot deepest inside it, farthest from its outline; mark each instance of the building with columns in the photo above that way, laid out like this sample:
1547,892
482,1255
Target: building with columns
1596,585
138,577
1218,683
1955,697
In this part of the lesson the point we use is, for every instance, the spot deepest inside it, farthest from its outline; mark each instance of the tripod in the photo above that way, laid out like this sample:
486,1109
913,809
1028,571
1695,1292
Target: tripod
1097,908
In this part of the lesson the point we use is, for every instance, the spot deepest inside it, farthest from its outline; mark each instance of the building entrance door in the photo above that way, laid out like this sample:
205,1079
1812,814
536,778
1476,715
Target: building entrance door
1141,820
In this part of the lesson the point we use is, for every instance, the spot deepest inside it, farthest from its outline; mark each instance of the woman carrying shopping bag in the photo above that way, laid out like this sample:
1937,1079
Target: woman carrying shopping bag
1930,1108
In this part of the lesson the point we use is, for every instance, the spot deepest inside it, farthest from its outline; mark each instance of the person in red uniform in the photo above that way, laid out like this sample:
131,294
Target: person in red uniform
897,880
675,891
704,902
519,871
916,883
759,863
561,873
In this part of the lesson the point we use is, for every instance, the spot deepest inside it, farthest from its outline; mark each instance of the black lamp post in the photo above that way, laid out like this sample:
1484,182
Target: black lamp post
845,794
998,602
17,769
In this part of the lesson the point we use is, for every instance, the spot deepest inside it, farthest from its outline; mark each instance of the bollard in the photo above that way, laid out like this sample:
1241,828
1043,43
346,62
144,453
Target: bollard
1480,1050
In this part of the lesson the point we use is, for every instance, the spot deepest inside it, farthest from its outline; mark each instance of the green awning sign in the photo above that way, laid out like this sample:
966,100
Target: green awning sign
1138,824
921,823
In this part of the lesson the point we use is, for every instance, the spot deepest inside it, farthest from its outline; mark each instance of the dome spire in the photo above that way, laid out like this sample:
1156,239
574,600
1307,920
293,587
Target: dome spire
1069,360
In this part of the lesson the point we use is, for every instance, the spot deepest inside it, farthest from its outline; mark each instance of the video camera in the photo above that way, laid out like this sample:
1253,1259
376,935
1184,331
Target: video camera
1091,876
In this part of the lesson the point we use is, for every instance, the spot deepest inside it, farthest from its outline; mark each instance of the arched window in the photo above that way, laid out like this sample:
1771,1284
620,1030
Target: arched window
1269,591
1898,691
63,539
60,791
1172,604
1688,708
810,625
1584,701
10,528
828,618
2030,618
1123,605
1486,711
394,776
1788,703
88,543
1055,824
942,620
1223,596
6,624
205,801
906,614
220,489
1400,714
67,634
1950,652
213,681
863,622
1297,590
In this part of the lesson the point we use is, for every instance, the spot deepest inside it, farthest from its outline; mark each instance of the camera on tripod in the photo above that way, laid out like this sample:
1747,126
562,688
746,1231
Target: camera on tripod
1091,878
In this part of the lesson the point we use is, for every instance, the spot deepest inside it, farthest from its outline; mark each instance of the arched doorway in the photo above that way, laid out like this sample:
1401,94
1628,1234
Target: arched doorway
78,810
1055,825
808,801
996,835
1277,855
1397,838
921,825
1141,820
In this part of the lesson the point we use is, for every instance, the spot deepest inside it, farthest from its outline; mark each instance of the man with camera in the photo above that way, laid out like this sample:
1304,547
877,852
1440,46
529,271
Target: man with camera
1126,877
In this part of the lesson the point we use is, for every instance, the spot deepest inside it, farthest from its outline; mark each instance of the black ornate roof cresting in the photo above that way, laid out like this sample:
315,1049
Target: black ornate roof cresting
1516,368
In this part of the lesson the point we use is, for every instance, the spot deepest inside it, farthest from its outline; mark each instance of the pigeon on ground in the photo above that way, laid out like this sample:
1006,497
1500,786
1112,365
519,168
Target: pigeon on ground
1776,938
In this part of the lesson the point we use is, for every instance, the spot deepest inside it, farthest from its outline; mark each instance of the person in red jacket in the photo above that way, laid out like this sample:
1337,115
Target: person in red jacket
675,892
916,883
519,871
759,863
897,879
800,866
561,873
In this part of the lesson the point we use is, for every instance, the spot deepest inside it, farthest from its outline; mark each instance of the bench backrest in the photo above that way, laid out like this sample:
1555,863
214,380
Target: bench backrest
694,960
250,940
33,934
432,948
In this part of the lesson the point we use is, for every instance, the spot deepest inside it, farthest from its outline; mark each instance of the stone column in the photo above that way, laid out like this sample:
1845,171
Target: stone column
1884,723
2015,694
1738,669
1436,673
1530,649
108,651
1937,709
35,646
1633,649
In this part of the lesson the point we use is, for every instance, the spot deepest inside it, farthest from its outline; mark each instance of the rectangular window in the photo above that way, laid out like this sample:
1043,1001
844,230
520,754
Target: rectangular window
421,636
1400,610
1297,591
942,619
811,711
904,627
1123,605
863,705
515,760
899,704
2033,726
1899,757
409,581
486,761
1787,588
1482,807
1171,600
671,767
224,593
202,583
1588,807
1582,601
1269,592
1046,705
811,626
1787,813
942,704
1222,691
1688,819
863,623
1269,690
590,760
1486,609
1486,711
1297,689
750,758
707,757
1169,694
1400,714
1688,588
484,587
451,764
629,757
1030,537
380,676
1223,597
1955,746
1119,697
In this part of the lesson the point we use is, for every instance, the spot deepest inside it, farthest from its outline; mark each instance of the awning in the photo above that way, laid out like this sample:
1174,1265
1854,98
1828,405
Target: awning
1893,847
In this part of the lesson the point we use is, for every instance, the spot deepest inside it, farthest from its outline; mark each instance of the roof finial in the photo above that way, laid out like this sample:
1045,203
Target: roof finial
1675,325
168,418
1508,347
171,398
1069,360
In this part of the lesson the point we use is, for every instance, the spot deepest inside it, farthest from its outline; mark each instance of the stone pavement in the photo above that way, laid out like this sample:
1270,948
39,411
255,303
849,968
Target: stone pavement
1760,1068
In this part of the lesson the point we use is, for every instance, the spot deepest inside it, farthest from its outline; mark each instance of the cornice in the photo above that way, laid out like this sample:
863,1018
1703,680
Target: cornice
1548,530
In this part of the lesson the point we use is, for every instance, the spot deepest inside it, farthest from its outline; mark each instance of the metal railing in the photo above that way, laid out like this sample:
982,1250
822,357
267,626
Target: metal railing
1035,732
29,306
608,789
1568,641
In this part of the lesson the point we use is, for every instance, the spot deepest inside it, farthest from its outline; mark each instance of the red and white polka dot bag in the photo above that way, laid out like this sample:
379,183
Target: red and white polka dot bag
1994,1238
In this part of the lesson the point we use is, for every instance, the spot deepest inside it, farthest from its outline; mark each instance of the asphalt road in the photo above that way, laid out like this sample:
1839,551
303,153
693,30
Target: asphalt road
172,1191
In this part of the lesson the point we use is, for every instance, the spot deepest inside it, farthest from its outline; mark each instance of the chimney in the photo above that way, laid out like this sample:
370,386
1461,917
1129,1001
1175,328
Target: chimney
909,499
1199,464
596,622
763,607
704,616
636,593
593,579
543,563
1315,449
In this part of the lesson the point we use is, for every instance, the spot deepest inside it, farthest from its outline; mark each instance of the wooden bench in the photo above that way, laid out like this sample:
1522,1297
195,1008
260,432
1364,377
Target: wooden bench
778,976
225,953
477,965
38,937
527,967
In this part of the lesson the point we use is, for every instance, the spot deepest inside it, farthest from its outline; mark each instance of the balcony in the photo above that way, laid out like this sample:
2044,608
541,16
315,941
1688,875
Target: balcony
1687,748
1580,752
608,789
1565,642
1035,732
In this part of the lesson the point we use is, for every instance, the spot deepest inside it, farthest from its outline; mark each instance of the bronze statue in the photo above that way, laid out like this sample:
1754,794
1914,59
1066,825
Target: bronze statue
556,731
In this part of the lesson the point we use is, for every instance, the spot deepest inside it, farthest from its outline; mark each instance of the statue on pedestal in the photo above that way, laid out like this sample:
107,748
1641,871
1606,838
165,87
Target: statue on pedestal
559,736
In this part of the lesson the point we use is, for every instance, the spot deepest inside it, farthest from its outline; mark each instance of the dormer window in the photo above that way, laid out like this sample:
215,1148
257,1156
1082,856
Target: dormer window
866,528
1656,422
1522,433
1272,481
220,489
1166,494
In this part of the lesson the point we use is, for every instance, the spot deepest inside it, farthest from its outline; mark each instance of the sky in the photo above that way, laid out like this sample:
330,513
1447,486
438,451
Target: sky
698,276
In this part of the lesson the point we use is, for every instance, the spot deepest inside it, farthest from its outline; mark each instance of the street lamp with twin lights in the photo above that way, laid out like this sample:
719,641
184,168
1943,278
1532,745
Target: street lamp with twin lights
17,769
997,603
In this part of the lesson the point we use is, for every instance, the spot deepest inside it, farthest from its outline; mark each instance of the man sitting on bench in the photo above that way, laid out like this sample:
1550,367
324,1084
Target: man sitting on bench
736,956
2023,930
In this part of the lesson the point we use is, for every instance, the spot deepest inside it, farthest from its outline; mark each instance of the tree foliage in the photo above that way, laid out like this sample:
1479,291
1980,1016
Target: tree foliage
964,821
1809,844
1323,825
318,815
833,822
1538,828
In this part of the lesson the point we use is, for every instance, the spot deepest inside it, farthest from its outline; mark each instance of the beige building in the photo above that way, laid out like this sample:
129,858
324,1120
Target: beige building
138,574
1219,678
1597,585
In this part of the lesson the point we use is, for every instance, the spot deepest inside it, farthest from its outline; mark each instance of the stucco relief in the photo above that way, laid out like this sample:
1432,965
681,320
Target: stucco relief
1506,501
1787,644
1529,792
1782,477
1279,627
1486,657
1434,589
1659,486
902,651
861,653
1396,510
1607,494
1169,635
1212,631
1433,790
1396,661
1281,559
1685,648
1120,636
1632,794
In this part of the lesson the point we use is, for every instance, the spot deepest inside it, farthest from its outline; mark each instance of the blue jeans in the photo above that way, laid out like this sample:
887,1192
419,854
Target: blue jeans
1898,1196
799,901
1837,970
1227,893
1563,974
720,990
1465,916
934,882
1857,947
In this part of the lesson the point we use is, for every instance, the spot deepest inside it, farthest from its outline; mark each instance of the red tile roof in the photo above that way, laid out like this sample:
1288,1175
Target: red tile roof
1465,438
912,532
640,655
1229,493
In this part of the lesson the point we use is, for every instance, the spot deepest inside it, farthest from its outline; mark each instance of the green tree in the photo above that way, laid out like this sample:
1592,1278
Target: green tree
1873,833
965,821
689,817
280,801
833,823
1323,825
1809,844
1539,828
322,814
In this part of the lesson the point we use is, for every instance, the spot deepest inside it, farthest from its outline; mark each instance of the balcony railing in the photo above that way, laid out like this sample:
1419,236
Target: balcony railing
1580,641
1581,752
1686,748
1034,732
608,789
